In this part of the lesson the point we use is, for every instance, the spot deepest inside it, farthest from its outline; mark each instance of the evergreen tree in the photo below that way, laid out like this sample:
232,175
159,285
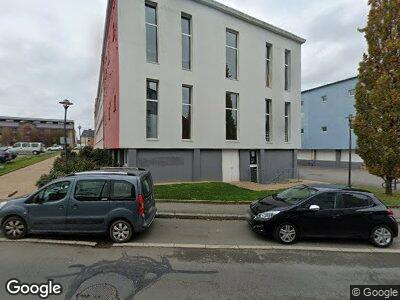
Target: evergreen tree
377,123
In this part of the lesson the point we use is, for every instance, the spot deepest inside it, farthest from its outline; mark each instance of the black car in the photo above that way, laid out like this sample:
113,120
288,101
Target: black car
323,210
5,156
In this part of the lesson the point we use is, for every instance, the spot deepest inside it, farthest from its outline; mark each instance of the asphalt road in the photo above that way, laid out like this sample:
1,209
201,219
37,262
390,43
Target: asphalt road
161,273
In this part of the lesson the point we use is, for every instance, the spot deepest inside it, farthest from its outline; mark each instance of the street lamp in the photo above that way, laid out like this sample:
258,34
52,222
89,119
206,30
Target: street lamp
351,119
65,103
80,138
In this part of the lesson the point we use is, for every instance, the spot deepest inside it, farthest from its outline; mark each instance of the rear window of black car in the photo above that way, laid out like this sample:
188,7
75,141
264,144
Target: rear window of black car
353,200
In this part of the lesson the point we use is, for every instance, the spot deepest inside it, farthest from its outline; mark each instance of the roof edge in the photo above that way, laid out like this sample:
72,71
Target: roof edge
245,17
328,84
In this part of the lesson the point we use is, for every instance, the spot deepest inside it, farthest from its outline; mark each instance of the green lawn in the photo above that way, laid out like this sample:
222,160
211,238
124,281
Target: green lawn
23,161
227,192
208,191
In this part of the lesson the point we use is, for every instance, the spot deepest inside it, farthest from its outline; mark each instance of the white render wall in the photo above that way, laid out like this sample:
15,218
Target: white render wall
207,78
99,121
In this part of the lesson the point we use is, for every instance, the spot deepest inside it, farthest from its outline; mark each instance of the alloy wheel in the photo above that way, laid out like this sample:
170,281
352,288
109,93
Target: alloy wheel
382,236
14,228
120,231
287,233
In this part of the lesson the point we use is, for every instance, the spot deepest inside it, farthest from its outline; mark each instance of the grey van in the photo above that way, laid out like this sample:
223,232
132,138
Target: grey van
119,202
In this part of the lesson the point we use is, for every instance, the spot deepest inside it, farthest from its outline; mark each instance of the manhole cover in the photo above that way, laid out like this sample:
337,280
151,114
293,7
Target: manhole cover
99,291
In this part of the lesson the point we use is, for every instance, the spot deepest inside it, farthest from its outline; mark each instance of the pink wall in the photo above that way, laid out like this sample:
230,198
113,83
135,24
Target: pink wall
111,80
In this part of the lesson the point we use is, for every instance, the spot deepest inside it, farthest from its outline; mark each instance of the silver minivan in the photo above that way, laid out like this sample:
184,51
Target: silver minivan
28,148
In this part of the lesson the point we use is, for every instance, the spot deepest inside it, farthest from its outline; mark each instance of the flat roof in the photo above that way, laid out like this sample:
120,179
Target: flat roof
328,84
34,119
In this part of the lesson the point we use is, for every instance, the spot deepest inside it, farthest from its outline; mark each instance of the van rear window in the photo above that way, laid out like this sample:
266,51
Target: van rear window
122,190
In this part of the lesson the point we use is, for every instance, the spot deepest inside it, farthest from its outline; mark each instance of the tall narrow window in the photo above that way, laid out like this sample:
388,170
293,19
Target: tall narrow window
231,54
151,32
268,103
268,70
186,42
287,69
287,122
152,109
231,120
186,112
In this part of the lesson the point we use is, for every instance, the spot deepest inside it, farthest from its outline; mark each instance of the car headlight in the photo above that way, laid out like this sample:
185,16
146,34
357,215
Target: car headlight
2,204
267,215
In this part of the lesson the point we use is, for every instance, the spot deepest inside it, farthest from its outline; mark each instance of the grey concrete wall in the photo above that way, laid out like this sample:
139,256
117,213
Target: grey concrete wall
328,164
279,164
211,165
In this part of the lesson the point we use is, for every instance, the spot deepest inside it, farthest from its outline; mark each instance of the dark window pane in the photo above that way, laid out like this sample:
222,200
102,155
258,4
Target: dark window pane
267,128
231,125
268,52
231,63
324,201
147,185
152,90
151,43
185,25
354,201
231,39
151,120
186,122
122,190
151,14
89,190
231,100
267,106
54,192
186,52
186,97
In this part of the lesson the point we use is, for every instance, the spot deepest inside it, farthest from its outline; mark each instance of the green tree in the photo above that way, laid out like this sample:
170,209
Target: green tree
377,123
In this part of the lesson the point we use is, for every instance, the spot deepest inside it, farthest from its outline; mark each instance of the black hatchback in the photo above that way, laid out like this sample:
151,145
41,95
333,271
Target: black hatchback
323,211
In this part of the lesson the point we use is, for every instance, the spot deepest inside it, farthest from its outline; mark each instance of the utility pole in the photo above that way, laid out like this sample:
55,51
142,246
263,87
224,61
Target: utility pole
80,137
66,103
350,118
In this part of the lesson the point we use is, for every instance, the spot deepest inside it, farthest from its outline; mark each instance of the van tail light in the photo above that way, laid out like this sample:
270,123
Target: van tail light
141,205
390,212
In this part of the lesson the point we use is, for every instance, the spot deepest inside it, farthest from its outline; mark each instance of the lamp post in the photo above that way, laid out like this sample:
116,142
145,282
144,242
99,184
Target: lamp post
80,138
65,103
350,118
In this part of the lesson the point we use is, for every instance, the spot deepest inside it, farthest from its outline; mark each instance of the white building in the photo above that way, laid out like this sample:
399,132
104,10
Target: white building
195,90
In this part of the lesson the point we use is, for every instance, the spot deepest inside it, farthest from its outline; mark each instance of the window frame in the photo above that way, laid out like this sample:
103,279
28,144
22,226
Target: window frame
32,199
268,64
324,127
268,114
370,200
237,116
287,122
100,198
287,69
111,189
228,30
190,36
190,87
158,107
308,202
153,5
324,99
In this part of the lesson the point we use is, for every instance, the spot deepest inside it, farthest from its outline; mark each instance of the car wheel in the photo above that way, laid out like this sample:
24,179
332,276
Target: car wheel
381,236
121,231
285,233
35,153
14,228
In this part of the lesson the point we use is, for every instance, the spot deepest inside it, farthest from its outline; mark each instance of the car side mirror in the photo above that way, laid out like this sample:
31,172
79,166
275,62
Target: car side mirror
314,208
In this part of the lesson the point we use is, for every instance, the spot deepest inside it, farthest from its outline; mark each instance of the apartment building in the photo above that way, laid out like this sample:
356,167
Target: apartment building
325,127
195,90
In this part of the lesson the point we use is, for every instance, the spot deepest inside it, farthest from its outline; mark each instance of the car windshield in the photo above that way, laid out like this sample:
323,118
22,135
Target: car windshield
295,194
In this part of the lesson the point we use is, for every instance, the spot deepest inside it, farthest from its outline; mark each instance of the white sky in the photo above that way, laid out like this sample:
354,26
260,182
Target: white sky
50,50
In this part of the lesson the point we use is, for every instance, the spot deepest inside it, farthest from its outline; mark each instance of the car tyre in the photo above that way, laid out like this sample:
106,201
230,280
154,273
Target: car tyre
14,228
35,153
121,231
286,233
381,236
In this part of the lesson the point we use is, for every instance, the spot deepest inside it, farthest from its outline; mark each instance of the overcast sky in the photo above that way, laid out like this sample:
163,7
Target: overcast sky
50,50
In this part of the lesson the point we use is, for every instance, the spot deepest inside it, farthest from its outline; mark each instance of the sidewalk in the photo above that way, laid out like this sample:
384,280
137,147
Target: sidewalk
23,181
211,211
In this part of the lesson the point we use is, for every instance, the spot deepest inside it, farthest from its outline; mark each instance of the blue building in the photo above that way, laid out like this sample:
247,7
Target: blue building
325,131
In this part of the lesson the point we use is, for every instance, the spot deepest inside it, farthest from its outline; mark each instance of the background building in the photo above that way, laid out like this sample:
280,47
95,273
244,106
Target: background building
325,129
47,131
195,90
87,138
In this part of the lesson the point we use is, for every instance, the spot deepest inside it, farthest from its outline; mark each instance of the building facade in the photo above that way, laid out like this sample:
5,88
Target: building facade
325,127
47,131
87,138
195,90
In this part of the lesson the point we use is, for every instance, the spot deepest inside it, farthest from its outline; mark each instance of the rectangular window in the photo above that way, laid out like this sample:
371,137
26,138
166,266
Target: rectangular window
186,112
268,104
231,47
287,69
324,99
287,122
152,109
302,131
231,120
122,191
91,190
151,32
324,129
268,69
352,92
186,42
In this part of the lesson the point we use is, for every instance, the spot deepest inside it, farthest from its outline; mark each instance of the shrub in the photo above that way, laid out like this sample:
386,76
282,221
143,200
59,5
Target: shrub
86,160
